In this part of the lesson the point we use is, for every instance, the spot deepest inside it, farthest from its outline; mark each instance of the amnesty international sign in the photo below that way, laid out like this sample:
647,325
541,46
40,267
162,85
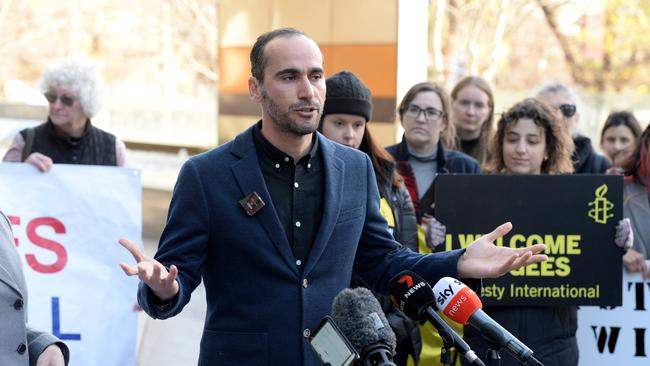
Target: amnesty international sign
574,215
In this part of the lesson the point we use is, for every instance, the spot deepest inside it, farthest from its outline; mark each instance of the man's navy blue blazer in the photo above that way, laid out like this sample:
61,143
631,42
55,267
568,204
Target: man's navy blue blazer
260,306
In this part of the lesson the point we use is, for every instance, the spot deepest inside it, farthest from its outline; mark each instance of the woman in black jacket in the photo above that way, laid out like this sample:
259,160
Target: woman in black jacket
427,147
530,139
348,107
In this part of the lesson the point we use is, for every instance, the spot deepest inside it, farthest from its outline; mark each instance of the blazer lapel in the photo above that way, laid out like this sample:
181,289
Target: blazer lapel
334,170
9,267
249,176
7,279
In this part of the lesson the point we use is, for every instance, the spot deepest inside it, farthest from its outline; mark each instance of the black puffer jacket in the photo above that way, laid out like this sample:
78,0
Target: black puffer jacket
399,200
586,160
405,232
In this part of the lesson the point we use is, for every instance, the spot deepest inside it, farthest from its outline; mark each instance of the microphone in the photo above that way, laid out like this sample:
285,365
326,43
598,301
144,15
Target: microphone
461,304
359,316
413,296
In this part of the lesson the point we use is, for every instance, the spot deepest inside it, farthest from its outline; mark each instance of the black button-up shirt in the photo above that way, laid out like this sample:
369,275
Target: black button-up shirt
296,189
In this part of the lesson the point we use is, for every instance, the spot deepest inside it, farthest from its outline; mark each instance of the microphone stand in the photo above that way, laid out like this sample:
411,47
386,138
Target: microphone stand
445,352
377,355
446,358
493,358
449,340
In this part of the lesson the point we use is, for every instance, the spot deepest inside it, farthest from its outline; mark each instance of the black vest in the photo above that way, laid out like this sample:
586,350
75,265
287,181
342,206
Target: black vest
94,147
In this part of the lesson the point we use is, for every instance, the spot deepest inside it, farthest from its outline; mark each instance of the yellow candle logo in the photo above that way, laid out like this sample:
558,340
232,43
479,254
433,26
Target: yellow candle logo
601,206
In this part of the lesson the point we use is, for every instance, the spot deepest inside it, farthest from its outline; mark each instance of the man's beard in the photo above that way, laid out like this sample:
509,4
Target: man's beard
283,120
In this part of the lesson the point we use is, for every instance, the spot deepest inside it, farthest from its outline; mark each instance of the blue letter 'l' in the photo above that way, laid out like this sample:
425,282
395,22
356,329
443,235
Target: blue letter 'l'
56,324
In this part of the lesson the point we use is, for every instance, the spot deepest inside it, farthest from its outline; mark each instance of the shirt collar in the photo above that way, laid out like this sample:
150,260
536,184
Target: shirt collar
276,155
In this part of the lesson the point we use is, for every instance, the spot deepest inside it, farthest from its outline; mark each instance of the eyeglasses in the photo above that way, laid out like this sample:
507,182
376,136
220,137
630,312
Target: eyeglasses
430,114
65,100
568,110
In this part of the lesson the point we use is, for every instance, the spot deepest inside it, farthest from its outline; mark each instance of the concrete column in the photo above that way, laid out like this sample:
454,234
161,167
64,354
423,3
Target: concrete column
412,47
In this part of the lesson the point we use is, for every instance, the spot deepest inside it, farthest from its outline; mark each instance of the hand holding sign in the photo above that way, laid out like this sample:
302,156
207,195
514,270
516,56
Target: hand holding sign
162,282
483,259
624,234
635,262
434,231
42,162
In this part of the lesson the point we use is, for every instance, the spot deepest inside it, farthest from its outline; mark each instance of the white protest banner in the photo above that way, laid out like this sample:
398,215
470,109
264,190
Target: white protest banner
618,335
66,226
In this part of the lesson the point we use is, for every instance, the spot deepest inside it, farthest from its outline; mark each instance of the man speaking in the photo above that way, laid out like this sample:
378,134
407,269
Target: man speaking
276,220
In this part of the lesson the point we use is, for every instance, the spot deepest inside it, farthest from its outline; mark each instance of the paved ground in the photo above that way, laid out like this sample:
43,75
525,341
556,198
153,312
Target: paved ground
172,341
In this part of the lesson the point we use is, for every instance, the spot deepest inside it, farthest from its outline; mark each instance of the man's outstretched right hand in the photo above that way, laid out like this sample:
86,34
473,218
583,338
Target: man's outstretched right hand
161,281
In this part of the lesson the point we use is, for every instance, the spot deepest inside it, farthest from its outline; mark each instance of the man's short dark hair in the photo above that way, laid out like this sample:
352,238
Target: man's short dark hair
258,61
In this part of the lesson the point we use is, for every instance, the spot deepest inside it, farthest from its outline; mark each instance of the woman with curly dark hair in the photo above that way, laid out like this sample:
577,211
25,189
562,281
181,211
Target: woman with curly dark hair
531,139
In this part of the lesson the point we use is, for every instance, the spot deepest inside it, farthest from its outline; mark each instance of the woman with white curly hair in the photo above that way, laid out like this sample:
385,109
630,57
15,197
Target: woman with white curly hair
74,93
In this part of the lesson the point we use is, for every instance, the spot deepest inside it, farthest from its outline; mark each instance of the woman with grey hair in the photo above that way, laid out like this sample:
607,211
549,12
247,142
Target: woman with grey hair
74,93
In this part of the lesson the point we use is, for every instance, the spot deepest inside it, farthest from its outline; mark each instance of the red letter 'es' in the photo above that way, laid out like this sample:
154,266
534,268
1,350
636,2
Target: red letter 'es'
58,249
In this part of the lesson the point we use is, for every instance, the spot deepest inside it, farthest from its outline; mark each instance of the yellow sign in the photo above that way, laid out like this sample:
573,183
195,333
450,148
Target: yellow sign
601,206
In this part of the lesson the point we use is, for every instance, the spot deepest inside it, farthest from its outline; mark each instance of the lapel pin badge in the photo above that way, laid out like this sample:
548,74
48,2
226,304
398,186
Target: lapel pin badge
252,203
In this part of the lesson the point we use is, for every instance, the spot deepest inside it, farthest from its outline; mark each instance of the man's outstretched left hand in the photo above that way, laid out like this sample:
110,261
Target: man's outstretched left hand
483,259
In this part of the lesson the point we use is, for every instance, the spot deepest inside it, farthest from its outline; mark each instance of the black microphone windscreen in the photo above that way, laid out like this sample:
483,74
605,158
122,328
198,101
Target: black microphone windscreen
411,294
361,319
